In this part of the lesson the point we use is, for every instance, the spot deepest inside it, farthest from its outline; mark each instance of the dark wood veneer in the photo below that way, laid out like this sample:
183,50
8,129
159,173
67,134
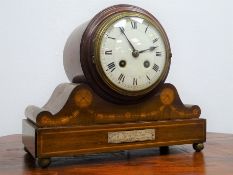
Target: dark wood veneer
76,121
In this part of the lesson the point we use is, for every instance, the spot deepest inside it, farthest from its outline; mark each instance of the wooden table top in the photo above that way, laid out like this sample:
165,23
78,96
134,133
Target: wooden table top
215,159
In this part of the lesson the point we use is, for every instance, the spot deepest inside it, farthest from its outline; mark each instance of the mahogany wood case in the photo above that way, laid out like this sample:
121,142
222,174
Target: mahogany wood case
77,121
86,116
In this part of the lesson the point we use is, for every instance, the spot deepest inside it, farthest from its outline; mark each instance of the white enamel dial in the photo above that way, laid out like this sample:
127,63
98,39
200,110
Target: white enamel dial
132,54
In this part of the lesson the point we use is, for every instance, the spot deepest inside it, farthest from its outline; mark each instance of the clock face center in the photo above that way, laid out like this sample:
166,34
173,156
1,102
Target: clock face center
135,53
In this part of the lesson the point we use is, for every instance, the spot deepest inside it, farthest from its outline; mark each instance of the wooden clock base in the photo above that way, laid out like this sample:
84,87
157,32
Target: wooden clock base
77,121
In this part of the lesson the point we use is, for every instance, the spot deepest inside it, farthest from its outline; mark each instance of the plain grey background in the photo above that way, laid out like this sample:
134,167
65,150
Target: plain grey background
33,34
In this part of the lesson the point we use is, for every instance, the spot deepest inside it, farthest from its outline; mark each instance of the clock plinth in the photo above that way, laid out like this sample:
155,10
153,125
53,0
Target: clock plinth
77,121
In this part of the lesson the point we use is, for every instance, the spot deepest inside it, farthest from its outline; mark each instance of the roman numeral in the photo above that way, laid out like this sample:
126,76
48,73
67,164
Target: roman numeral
146,28
122,29
111,37
158,53
156,39
155,68
135,81
111,66
147,77
108,52
134,24
121,78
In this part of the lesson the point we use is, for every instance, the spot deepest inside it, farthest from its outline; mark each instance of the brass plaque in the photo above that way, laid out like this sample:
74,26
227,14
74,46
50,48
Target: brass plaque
131,136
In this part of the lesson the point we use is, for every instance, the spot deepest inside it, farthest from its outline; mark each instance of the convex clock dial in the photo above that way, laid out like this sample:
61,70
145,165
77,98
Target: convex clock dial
132,54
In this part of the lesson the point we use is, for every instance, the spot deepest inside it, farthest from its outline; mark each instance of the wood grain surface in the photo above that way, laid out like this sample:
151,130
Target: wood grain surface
79,105
215,159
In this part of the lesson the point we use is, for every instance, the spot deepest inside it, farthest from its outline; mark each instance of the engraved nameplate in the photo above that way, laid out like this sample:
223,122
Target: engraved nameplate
131,136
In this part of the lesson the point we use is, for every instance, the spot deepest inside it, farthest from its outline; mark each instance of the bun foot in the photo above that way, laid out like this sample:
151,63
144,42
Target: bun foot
43,162
198,147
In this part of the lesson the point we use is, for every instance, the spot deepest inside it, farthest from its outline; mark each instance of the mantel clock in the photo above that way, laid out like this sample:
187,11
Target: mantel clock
117,99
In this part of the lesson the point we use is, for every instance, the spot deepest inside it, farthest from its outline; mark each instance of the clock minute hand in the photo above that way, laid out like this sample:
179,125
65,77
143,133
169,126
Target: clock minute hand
122,31
150,49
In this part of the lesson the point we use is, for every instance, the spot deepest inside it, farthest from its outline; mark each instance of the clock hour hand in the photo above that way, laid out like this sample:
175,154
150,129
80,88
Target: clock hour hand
123,32
150,49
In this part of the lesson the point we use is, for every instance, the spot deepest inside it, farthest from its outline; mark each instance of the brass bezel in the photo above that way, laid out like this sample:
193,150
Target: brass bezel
102,28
